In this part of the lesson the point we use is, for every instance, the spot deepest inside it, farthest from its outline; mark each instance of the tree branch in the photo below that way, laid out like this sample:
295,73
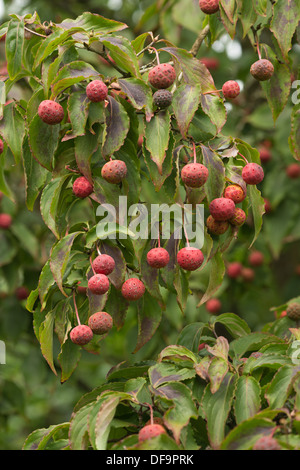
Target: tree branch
197,44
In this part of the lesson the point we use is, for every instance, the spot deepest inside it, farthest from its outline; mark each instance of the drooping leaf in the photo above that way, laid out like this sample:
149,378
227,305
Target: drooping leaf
247,402
117,127
14,43
286,16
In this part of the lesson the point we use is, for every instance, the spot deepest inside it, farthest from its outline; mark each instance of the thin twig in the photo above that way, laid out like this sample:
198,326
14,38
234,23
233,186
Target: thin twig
197,44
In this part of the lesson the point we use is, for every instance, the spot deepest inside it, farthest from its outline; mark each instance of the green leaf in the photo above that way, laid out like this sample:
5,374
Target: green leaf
12,129
14,43
217,271
244,436
247,398
70,74
213,106
122,52
278,391
286,16
252,342
43,141
294,139
35,175
85,146
46,339
216,407
258,209
157,134
93,23
59,257
260,6
178,354
163,373
235,325
185,102
190,336
215,183
216,372
78,433
277,89
116,129
138,92
149,318
159,176
46,281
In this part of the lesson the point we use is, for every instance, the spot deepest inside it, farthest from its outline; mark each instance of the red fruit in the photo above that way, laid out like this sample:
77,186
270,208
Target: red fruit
234,270
283,314
162,76
256,258
201,346
266,443
81,335
231,89
1,146
82,187
114,171
239,217
211,63
216,227
248,274
268,207
213,306
100,323
209,6
262,70
293,171
133,289
98,284
265,154
151,430
22,293
158,258
96,91
104,264
222,208
5,221
50,112
252,173
235,192
194,175
190,258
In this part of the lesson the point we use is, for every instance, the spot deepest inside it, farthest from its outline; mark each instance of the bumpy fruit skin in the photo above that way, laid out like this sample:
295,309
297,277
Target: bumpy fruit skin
104,264
234,270
5,221
194,175
256,258
265,154
158,258
81,335
266,443
98,284
222,208
252,173
151,430
190,258
239,217
82,187
209,6
235,192
293,311
231,89
293,171
1,146
262,70
133,289
162,76
216,227
96,91
50,112
114,171
162,98
100,323
213,306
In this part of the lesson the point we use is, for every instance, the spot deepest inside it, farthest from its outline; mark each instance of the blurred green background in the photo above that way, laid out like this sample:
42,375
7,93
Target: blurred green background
31,395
